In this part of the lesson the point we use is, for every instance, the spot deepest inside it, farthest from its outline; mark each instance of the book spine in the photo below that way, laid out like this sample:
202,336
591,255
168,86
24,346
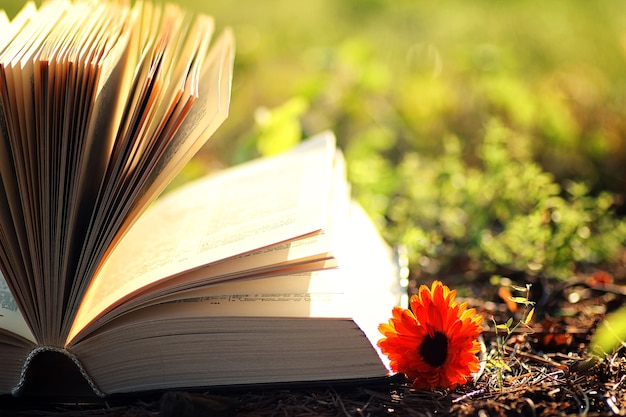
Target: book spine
40,349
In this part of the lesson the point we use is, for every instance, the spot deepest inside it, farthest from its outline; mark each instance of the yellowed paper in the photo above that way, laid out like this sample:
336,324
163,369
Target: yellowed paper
256,205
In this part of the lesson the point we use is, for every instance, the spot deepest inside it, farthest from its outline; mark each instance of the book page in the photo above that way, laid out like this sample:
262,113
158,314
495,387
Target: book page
13,27
66,69
21,175
372,272
124,199
10,317
87,170
362,286
246,208
210,110
307,253
319,294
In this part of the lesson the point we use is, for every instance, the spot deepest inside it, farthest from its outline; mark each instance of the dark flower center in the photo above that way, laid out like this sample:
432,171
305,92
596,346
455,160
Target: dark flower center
434,349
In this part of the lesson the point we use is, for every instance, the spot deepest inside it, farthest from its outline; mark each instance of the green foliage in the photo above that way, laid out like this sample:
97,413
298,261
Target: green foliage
505,212
279,129
610,335
498,357
412,91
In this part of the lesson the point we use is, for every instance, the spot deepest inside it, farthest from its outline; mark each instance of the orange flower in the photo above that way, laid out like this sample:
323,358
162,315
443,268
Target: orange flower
435,344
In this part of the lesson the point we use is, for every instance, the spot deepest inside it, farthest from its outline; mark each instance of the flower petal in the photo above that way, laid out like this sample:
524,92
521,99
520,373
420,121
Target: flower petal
410,333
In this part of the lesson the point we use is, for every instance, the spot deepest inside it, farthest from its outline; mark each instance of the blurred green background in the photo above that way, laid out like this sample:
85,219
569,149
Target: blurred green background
487,137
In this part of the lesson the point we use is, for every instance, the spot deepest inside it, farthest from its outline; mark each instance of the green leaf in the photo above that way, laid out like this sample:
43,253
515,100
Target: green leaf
529,317
499,363
279,128
611,333
519,288
519,300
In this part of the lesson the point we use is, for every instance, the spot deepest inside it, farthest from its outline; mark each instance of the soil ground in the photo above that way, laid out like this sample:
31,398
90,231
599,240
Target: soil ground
549,372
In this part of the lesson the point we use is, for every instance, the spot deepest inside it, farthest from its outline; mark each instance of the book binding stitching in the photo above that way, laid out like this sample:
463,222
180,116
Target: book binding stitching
73,358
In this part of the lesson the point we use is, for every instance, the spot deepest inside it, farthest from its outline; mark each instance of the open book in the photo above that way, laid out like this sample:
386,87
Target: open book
262,273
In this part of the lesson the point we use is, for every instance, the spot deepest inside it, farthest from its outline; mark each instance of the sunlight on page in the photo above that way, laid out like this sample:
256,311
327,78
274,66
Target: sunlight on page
302,254
254,206
317,294
373,276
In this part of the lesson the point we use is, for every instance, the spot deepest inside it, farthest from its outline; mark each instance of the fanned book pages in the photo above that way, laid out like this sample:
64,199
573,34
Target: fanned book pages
265,272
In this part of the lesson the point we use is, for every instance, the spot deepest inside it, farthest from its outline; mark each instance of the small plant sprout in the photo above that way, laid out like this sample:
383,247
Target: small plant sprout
498,358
